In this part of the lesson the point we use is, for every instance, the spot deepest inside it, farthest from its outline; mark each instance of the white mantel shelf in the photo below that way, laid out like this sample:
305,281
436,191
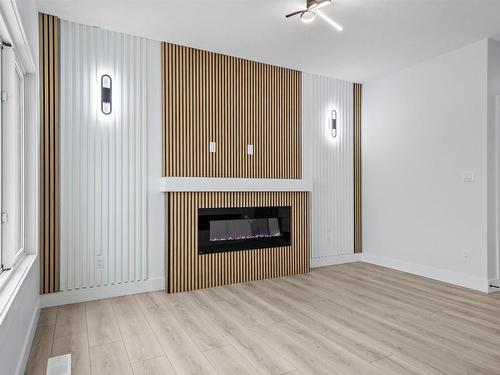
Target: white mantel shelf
179,184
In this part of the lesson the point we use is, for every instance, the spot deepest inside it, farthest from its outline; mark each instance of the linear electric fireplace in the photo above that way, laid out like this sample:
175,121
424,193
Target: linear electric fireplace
242,228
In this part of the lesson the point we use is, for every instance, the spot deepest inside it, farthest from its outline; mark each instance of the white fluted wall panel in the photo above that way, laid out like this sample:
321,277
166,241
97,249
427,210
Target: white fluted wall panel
328,162
103,159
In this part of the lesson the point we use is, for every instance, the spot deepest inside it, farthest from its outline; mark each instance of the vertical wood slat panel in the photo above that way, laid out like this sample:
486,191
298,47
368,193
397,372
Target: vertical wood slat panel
233,102
189,271
358,243
49,153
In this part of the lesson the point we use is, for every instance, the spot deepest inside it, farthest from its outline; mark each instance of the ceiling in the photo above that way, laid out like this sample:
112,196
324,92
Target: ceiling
380,36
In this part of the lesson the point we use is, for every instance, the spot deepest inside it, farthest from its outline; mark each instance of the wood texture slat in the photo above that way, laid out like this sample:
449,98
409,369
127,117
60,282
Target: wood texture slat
189,271
49,153
233,102
358,243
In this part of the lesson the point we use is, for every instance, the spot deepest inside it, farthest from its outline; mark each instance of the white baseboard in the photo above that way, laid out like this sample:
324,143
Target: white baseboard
109,291
28,340
337,259
439,274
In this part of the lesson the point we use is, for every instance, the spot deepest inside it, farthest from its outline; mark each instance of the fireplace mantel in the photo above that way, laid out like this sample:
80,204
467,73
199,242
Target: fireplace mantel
204,184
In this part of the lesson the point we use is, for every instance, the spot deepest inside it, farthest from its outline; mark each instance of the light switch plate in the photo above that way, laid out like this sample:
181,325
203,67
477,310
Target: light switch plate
212,146
468,176
250,149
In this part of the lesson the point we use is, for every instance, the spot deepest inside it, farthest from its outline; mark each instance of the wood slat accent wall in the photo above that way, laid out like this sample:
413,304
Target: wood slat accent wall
49,153
234,102
358,243
189,271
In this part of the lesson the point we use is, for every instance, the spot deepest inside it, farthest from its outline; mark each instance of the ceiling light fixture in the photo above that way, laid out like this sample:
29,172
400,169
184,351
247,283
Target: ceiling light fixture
329,20
323,4
307,16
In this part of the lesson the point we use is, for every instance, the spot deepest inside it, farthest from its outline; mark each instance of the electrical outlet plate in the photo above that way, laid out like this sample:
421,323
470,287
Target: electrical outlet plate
59,365
468,176
212,146
250,149
100,263
466,254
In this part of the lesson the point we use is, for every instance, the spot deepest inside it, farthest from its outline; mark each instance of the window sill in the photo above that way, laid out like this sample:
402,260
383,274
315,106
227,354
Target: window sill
11,281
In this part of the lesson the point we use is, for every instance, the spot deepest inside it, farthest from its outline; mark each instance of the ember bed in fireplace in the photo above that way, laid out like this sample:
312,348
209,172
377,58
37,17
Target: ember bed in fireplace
242,228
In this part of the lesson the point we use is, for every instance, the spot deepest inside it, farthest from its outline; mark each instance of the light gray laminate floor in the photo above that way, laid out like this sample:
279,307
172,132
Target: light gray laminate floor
349,319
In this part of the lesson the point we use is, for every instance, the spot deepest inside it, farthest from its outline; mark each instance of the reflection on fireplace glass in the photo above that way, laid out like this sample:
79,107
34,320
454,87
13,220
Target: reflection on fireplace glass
241,229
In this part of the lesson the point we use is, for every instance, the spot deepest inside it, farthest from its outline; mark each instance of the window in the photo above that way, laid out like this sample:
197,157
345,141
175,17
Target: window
12,160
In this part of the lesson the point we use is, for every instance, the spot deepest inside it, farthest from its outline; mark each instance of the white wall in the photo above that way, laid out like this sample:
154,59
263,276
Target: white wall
18,325
328,163
422,128
493,159
28,14
111,207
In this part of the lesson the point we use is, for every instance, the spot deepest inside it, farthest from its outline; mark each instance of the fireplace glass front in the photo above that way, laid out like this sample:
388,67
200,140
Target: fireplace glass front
242,228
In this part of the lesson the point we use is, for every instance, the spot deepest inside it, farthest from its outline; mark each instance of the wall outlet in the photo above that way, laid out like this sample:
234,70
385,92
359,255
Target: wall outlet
212,147
99,263
250,149
466,254
468,176
329,237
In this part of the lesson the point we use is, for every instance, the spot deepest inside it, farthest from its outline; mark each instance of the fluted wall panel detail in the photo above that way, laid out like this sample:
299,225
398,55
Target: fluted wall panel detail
209,97
103,158
188,270
329,163
49,153
358,240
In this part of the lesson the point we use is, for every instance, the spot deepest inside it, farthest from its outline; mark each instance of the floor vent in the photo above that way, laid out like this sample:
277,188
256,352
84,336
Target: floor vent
59,365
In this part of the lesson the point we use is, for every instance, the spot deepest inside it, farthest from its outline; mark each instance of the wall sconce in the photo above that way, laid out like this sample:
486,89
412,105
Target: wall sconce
106,86
333,123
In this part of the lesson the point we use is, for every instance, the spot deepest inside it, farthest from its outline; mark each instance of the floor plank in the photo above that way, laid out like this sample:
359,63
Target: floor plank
228,361
40,350
155,366
78,346
47,316
139,340
110,359
177,345
101,323
70,320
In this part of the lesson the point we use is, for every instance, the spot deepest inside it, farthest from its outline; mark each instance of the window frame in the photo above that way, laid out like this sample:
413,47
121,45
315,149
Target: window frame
21,98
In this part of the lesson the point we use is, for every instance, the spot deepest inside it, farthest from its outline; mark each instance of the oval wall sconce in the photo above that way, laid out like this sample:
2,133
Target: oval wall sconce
106,87
333,123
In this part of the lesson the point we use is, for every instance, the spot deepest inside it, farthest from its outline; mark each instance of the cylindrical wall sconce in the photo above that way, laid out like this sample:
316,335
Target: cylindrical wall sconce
106,87
333,123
